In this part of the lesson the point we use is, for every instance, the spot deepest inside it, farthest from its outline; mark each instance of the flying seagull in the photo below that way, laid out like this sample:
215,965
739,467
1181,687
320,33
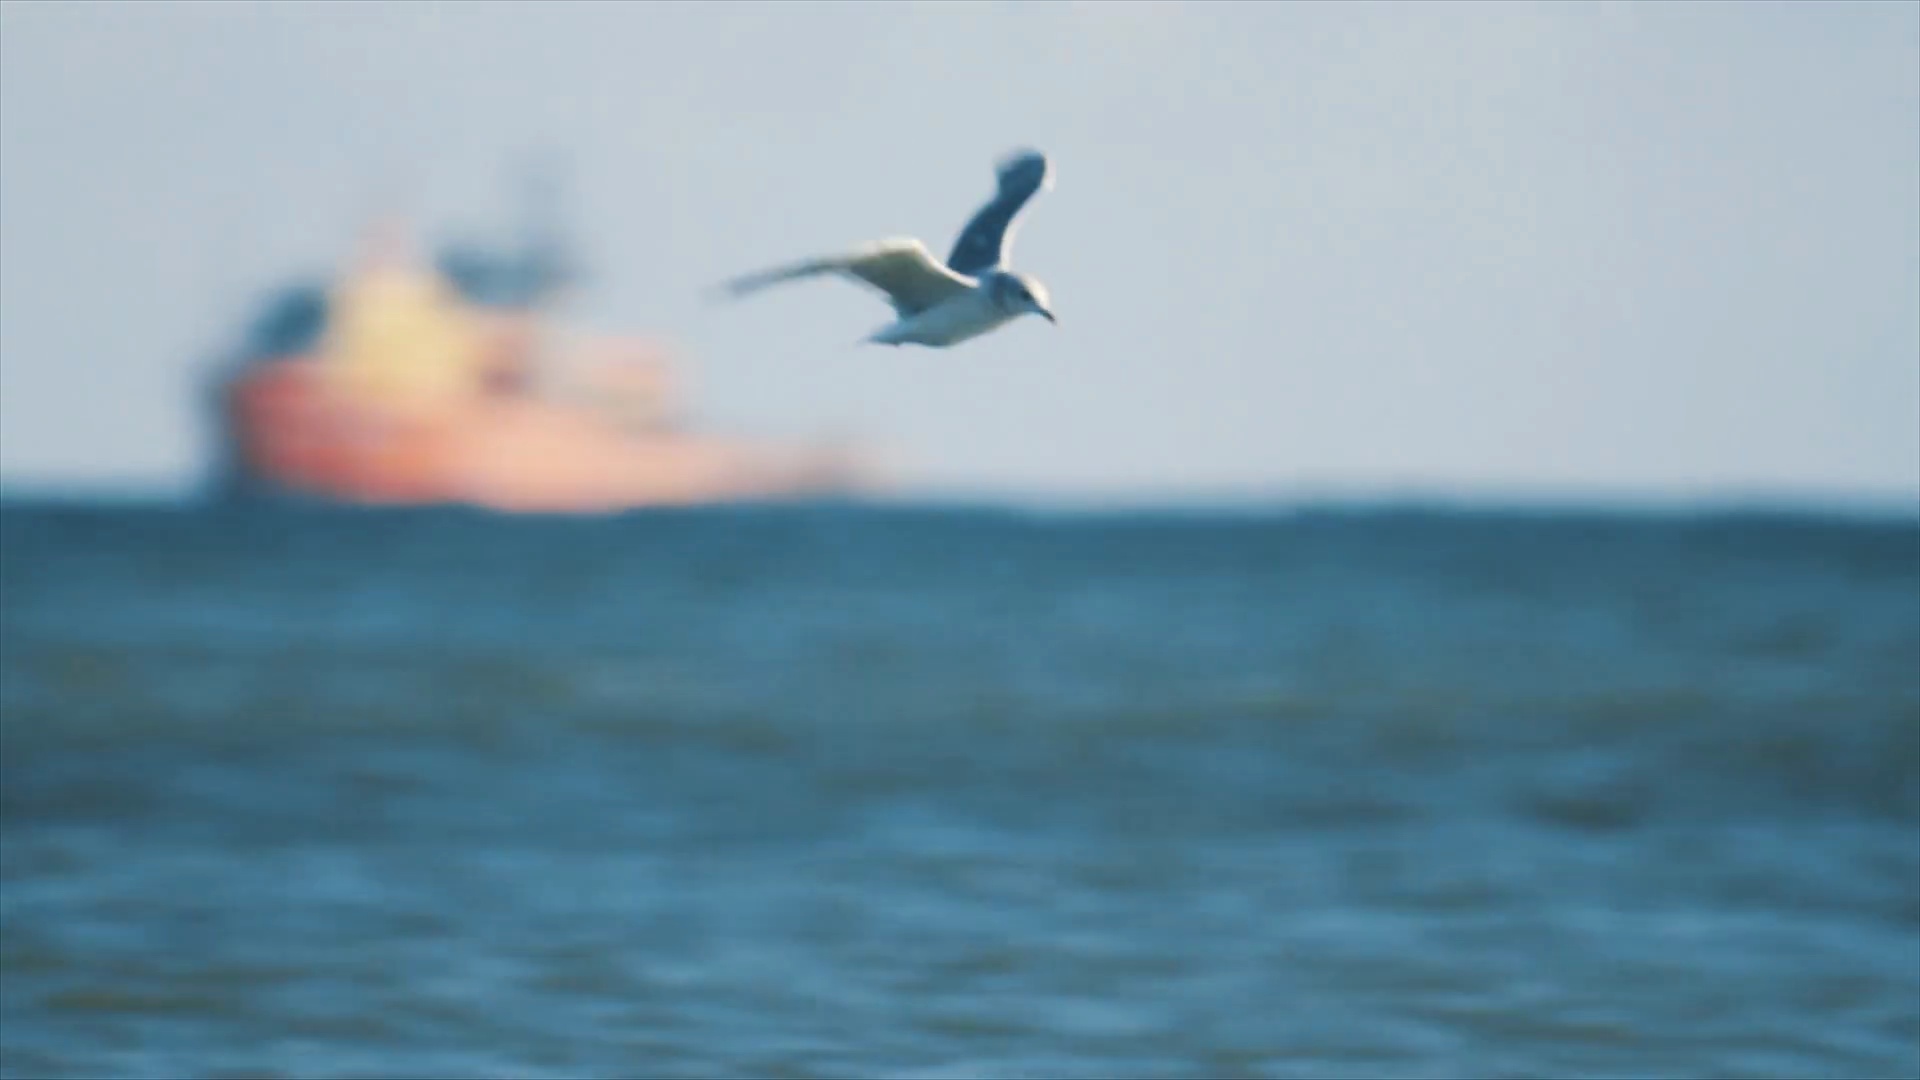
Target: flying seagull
942,304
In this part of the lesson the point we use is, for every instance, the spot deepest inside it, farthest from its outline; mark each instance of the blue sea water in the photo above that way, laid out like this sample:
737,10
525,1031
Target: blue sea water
849,791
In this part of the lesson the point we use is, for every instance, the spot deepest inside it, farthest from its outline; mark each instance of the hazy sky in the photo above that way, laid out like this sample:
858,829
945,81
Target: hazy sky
1554,247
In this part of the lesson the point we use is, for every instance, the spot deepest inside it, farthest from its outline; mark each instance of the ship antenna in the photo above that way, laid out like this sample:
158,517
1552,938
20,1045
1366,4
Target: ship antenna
547,243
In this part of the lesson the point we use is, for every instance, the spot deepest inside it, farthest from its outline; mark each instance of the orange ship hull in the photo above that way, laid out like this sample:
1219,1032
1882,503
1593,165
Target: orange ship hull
295,431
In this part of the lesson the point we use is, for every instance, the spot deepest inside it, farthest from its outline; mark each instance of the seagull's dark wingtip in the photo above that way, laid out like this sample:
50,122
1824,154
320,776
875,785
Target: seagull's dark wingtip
723,293
1025,169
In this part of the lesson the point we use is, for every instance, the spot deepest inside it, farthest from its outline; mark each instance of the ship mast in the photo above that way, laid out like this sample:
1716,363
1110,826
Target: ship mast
548,253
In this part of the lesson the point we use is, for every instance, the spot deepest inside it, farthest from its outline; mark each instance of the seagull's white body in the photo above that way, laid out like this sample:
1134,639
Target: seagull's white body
950,322
942,304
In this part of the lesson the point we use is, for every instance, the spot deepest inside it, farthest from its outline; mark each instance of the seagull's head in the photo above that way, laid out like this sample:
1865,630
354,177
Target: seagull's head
1018,294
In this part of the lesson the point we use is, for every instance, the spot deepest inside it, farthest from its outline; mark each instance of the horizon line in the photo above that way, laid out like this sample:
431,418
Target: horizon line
1521,498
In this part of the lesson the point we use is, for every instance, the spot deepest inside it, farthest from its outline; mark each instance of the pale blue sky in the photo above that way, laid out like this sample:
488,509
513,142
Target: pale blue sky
1486,248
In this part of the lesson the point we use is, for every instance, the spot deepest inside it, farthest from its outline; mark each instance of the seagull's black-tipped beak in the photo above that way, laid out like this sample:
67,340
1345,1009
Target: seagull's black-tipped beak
1048,315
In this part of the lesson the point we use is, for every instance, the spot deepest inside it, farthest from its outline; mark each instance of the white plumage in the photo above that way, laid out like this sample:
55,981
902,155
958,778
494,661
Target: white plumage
941,304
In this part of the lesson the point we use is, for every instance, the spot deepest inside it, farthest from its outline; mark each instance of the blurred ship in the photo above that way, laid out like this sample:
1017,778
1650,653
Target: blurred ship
451,383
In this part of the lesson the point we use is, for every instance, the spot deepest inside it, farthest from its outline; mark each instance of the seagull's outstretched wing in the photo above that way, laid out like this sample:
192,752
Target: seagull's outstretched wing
987,241
904,270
